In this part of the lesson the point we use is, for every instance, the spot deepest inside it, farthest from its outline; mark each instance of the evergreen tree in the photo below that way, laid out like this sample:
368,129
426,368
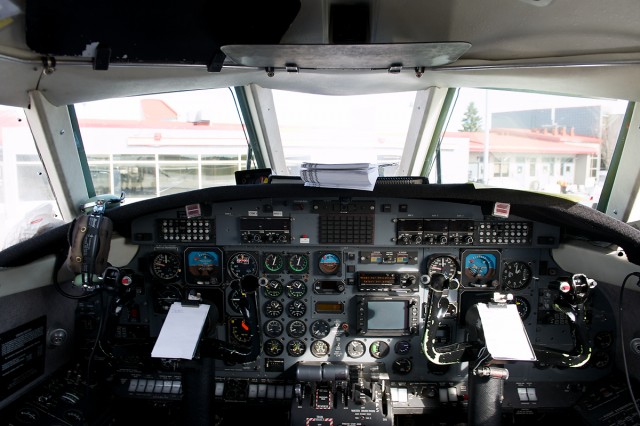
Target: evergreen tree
471,122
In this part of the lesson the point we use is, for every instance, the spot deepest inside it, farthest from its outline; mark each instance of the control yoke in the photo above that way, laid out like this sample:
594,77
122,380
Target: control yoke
573,294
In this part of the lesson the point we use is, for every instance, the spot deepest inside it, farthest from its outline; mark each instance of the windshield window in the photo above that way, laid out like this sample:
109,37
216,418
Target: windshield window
148,146
27,204
556,144
343,129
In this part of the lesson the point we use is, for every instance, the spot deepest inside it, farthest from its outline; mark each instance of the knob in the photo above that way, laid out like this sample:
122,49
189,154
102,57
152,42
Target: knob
468,239
443,239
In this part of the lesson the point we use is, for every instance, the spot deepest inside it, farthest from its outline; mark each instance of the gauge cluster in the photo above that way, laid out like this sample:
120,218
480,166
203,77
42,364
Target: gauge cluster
354,302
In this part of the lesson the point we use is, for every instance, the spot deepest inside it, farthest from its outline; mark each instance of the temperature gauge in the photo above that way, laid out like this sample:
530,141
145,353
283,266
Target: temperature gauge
296,289
296,347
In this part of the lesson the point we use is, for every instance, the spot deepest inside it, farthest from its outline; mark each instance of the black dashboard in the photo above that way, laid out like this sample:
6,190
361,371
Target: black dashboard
342,294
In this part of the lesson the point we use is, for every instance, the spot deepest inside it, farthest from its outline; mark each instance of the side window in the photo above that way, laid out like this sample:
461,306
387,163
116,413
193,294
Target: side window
27,205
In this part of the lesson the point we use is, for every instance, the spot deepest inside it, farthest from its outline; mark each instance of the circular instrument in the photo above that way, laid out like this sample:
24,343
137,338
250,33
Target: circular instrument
273,289
516,275
273,309
296,347
320,348
296,309
296,328
273,262
273,328
402,347
242,264
329,263
445,265
320,329
524,309
273,347
480,265
402,366
298,263
296,289
379,349
166,266
356,348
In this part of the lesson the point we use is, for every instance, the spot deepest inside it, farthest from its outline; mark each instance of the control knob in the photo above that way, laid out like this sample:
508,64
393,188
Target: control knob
442,239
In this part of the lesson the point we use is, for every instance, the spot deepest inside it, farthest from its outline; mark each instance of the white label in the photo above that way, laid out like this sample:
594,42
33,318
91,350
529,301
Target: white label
253,212
277,213
304,240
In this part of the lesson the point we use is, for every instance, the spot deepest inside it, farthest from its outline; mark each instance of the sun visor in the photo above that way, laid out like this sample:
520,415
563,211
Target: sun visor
154,31
347,56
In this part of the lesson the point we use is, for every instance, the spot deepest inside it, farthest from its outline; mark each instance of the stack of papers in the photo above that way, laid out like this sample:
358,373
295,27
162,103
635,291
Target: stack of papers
349,176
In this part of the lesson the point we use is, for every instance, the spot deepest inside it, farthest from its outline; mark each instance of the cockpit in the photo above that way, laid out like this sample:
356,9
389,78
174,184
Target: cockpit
346,214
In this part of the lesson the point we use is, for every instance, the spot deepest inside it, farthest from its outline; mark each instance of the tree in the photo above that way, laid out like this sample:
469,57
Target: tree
471,121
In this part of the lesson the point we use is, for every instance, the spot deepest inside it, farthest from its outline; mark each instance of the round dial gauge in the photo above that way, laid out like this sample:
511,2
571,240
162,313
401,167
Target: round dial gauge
274,288
320,348
166,266
273,262
296,309
356,348
445,265
480,266
329,263
402,366
298,263
273,309
242,264
320,329
402,347
273,328
296,289
296,328
296,347
523,307
516,275
273,347
379,349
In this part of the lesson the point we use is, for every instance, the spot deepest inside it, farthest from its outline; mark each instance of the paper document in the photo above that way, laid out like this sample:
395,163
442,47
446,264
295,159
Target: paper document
180,332
504,333
348,176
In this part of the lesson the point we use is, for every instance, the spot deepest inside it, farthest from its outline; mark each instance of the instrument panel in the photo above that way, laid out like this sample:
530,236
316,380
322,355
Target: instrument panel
346,281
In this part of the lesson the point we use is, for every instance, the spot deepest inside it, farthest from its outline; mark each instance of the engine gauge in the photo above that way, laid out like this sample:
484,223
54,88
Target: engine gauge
356,348
445,265
296,347
298,263
320,329
296,289
296,328
273,289
379,349
524,309
273,262
516,275
329,263
273,309
166,266
273,328
242,264
320,348
273,347
296,309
